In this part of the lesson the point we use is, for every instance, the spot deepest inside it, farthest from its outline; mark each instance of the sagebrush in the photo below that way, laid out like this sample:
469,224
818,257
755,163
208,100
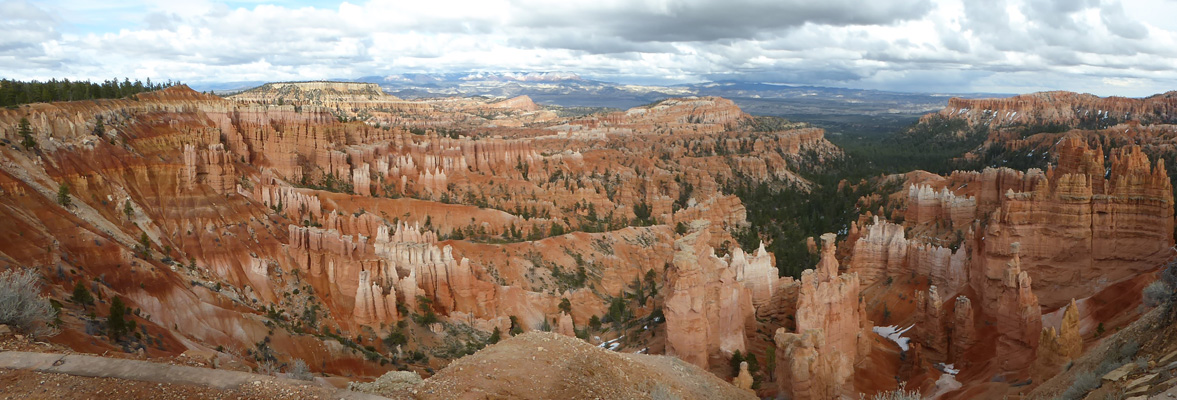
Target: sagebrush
1156,293
21,304
301,371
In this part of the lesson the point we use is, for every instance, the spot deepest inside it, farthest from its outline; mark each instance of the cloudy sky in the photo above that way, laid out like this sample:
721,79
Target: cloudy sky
1106,47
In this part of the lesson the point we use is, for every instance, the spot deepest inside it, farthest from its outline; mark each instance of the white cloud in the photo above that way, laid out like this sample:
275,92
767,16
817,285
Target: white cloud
1106,47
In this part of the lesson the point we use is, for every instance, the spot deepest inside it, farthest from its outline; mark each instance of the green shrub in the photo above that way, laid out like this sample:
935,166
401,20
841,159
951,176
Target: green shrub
396,338
427,316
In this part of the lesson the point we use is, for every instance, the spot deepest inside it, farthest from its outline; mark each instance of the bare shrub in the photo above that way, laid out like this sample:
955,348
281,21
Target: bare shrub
1087,381
1156,293
900,393
21,303
267,368
1169,274
1083,383
1128,350
301,371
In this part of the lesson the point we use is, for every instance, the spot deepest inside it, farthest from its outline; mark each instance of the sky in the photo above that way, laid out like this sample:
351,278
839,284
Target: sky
1105,47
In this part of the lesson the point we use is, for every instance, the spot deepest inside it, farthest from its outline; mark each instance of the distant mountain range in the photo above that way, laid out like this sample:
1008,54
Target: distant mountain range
811,103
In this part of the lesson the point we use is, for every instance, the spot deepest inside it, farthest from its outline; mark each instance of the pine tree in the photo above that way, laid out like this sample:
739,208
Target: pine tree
26,134
145,245
63,195
515,327
737,358
99,129
116,323
566,306
82,295
495,336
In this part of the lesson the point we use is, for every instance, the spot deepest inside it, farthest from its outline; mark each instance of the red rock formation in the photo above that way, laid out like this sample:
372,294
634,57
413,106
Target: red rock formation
698,113
308,207
1049,359
707,307
883,251
1079,234
806,372
374,304
925,205
879,252
831,332
830,302
283,211
1069,338
930,326
1066,108
1072,223
345,98
1059,346
1018,317
211,167
565,326
758,272
962,334
1071,231
520,103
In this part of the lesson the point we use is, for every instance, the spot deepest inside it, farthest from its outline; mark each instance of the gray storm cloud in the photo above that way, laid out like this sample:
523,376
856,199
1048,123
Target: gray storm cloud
955,45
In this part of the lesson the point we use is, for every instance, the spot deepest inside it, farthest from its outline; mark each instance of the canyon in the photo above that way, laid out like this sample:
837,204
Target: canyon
362,233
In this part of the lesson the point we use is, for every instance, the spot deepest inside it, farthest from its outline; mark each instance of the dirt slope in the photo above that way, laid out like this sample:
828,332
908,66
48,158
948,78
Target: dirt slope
541,365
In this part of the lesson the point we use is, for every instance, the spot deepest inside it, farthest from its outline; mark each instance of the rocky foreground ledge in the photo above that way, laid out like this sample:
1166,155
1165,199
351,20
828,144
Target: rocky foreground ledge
182,381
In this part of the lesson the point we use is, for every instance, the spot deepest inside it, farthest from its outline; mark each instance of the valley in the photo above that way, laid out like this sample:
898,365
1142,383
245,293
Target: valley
688,245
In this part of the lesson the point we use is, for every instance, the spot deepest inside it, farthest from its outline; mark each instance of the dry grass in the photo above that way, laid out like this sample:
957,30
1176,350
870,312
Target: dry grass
900,393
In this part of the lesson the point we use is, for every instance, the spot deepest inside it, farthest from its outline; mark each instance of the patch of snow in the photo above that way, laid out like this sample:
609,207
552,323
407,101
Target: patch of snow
894,334
612,344
947,368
